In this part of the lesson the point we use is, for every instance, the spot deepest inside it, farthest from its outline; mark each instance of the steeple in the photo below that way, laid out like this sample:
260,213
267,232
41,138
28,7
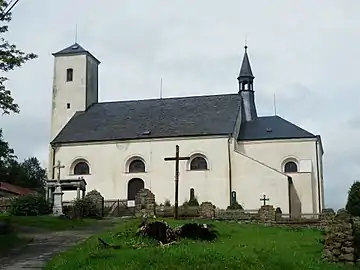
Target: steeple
246,89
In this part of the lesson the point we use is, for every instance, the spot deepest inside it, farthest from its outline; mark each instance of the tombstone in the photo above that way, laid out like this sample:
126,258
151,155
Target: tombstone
233,197
192,194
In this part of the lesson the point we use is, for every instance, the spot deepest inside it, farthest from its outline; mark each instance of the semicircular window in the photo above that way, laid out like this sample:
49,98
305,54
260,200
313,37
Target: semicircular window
290,167
198,164
81,168
136,166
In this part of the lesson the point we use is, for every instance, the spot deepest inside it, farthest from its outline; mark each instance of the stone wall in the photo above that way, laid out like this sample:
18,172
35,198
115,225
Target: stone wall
207,210
144,202
5,203
339,244
267,213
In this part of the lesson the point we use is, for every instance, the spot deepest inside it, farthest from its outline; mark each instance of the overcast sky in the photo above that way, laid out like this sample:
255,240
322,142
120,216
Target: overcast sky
306,52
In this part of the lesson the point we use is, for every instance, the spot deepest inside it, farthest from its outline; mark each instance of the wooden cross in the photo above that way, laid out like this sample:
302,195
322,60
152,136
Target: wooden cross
59,167
177,158
264,199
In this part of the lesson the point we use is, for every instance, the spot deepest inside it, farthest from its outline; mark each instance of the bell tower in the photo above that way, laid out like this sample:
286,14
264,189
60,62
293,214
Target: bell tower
75,85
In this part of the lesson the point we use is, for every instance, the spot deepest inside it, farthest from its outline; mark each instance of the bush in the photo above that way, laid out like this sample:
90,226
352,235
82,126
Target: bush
85,208
191,202
167,203
234,206
30,205
353,201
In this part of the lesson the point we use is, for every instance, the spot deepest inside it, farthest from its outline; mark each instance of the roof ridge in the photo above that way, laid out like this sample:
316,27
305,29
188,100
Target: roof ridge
167,98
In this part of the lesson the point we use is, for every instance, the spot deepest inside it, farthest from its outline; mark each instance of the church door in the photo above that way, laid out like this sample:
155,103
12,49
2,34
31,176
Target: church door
134,186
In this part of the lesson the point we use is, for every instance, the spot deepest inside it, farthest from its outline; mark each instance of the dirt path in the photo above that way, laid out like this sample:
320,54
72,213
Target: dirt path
46,245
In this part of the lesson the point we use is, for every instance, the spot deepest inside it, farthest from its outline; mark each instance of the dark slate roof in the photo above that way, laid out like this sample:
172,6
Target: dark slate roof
74,49
168,117
245,70
271,128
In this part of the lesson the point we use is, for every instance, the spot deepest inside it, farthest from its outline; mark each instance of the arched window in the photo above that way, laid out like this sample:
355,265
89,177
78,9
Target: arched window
69,74
81,168
198,164
136,166
290,167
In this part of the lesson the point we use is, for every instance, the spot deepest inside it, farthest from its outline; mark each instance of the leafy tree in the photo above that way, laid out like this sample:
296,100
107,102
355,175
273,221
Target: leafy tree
10,58
7,157
33,173
353,202
28,173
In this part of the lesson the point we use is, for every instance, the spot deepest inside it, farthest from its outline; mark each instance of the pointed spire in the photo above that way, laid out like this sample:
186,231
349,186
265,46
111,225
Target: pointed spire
245,70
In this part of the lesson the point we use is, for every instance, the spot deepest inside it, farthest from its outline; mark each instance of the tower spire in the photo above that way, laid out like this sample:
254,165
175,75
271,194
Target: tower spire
246,89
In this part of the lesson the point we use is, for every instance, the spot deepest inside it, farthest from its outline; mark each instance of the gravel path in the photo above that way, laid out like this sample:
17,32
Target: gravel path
45,245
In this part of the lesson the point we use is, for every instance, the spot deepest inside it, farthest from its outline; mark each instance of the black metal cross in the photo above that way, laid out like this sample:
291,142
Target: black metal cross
177,158
264,199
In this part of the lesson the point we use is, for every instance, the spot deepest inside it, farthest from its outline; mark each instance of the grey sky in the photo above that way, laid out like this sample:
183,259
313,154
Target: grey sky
306,52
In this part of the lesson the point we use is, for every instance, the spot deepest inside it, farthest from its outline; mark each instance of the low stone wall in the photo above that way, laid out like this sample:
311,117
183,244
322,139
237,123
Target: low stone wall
339,241
207,210
5,203
145,202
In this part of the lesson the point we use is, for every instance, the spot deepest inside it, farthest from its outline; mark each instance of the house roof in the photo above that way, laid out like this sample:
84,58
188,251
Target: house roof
74,49
271,128
153,118
15,189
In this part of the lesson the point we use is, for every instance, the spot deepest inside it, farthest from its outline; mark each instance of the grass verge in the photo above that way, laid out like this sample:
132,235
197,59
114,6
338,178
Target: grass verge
238,247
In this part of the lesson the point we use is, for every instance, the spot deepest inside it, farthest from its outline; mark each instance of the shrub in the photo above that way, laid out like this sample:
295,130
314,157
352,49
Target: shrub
167,203
192,202
85,208
30,205
353,201
235,206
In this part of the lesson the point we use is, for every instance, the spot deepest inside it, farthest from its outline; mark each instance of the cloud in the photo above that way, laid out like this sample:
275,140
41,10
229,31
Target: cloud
305,53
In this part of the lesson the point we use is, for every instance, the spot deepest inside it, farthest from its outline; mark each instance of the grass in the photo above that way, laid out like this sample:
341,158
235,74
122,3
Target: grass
238,247
47,222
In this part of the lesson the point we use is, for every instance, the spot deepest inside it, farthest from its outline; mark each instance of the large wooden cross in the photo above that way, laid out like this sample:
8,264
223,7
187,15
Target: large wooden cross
58,167
177,158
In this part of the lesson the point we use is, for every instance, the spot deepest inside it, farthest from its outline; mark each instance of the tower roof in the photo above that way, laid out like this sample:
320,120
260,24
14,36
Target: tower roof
75,49
245,70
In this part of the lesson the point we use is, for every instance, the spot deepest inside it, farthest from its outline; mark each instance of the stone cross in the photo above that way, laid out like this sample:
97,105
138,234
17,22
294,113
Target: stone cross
264,199
59,167
177,158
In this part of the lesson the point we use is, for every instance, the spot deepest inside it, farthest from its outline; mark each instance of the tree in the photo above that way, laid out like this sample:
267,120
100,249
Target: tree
353,202
10,58
7,156
34,174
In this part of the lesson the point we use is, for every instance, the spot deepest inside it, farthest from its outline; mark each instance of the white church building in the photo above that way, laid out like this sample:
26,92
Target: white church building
119,147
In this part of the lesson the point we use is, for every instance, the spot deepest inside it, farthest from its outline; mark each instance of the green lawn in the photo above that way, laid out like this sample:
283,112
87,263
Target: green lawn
238,247
48,222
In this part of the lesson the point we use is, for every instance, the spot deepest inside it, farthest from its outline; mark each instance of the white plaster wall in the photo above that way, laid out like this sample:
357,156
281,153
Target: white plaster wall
251,180
275,152
108,168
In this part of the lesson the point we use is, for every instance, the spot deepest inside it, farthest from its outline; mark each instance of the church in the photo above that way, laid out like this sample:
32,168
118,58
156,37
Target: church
119,147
